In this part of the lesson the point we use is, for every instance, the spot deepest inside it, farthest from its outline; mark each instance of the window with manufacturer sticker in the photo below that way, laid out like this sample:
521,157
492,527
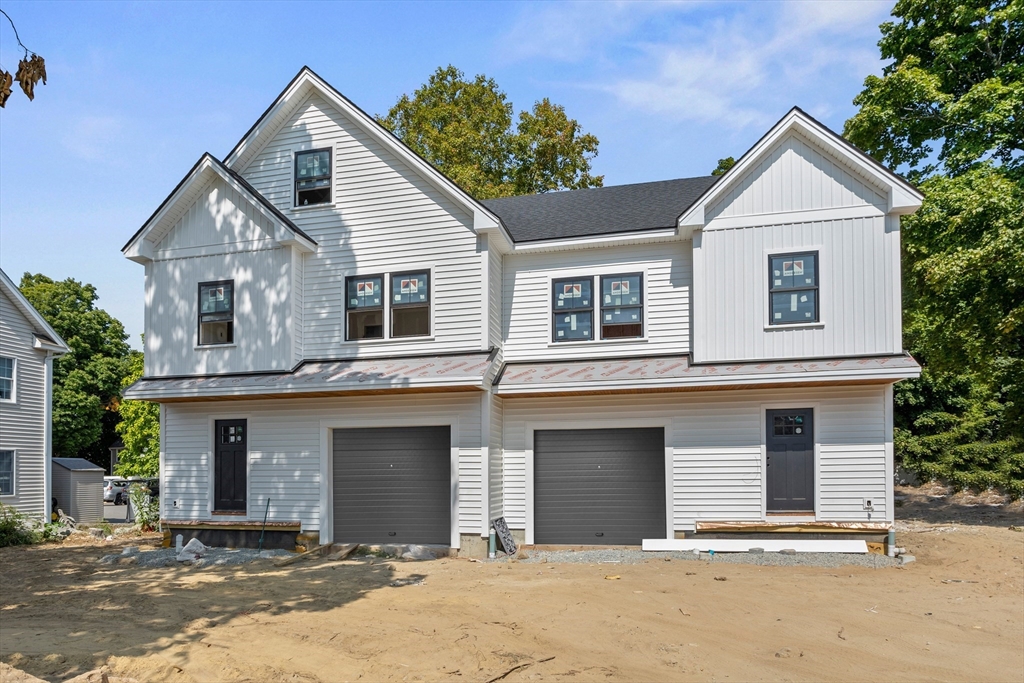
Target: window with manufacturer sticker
572,312
233,434
793,288
622,312
788,425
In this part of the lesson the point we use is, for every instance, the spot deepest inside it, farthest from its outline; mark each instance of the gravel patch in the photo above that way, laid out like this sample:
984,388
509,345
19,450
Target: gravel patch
213,557
613,557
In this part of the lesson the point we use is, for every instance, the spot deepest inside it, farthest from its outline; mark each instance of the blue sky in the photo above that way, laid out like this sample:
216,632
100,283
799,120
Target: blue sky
138,91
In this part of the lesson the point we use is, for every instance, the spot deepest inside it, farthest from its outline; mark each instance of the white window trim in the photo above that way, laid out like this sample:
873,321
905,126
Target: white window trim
815,407
212,466
14,382
291,174
596,275
213,347
766,299
387,338
14,474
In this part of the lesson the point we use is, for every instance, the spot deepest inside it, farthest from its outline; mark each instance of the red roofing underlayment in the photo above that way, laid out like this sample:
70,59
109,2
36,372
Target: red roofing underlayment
678,371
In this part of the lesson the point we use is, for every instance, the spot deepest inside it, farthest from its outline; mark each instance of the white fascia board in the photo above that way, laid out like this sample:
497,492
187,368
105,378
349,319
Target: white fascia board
482,217
714,381
33,316
611,240
902,196
242,392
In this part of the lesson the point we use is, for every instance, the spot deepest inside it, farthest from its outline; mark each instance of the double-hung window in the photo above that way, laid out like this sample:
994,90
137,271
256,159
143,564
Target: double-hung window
622,311
6,379
216,312
573,309
313,177
410,304
364,302
793,288
6,473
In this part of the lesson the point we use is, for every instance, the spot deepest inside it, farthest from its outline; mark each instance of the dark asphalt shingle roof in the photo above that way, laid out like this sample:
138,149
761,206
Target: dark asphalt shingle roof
598,211
76,464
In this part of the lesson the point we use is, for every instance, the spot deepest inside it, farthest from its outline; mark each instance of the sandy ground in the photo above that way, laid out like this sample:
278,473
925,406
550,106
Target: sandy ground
955,614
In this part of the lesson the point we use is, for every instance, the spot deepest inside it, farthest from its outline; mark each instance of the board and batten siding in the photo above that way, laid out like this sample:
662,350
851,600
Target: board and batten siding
263,323
717,445
23,421
527,304
285,451
858,290
384,218
796,175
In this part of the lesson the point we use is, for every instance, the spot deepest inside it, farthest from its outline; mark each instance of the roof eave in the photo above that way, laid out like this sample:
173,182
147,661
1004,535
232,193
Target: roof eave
56,344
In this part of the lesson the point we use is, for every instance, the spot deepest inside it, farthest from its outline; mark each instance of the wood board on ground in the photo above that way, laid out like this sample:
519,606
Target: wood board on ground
508,544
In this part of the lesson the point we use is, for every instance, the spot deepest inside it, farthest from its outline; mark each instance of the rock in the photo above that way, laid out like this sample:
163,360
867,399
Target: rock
721,578
8,674
267,554
130,550
98,533
907,559
192,551
109,538
784,653
787,551
756,551
417,552
127,559
523,555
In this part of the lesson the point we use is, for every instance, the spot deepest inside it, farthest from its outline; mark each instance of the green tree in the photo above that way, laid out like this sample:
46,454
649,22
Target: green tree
139,429
464,129
723,166
87,379
948,110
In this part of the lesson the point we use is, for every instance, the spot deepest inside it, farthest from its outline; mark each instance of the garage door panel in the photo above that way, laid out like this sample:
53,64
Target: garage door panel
392,485
599,486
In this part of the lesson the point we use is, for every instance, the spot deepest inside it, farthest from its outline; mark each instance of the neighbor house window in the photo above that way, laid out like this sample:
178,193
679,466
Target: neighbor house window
217,312
573,309
313,177
6,379
365,306
6,473
793,288
622,312
410,304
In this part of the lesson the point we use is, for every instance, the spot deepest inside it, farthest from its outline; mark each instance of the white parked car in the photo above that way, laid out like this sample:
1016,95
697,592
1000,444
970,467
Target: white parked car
115,490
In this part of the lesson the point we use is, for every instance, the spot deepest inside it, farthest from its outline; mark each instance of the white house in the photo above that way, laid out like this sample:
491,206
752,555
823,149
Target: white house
28,346
335,327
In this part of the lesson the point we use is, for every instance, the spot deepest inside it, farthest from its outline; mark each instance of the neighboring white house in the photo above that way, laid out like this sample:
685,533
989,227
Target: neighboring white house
334,326
28,346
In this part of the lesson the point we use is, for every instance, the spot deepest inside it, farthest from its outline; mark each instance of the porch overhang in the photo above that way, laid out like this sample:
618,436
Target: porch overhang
360,377
676,373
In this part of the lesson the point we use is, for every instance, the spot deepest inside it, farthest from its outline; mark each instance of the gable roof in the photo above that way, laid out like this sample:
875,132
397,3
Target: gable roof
77,464
184,193
295,93
903,198
599,210
45,336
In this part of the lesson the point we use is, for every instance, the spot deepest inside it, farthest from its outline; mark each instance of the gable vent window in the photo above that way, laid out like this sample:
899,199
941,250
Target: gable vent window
573,309
216,312
6,379
365,306
410,305
313,177
793,288
622,313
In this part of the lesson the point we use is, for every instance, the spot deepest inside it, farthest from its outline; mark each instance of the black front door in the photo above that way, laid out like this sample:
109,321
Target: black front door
790,460
229,478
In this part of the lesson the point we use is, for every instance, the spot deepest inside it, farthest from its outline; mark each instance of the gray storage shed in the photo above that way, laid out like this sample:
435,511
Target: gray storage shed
78,488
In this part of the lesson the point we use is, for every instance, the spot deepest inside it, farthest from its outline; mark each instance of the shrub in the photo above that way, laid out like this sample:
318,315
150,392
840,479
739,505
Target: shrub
145,507
15,529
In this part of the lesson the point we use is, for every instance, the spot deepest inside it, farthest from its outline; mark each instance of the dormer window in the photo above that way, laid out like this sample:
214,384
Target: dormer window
313,177
216,312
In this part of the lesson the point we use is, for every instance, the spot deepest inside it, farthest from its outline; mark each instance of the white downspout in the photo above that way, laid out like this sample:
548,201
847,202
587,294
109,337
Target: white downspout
47,436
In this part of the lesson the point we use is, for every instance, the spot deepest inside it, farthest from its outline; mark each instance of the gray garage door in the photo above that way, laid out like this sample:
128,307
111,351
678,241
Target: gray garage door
392,485
599,486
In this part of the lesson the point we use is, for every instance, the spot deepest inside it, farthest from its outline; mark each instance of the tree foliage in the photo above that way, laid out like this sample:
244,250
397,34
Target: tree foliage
464,128
87,379
139,429
723,166
949,110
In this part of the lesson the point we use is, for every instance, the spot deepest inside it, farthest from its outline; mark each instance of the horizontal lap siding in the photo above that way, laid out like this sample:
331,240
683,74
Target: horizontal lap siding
527,299
284,451
385,218
496,461
717,471
22,423
263,314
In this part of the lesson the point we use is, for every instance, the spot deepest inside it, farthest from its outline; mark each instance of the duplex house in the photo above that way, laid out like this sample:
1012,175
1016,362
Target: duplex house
28,346
341,337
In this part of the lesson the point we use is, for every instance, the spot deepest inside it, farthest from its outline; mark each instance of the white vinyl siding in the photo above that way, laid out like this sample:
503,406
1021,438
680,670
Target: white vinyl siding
22,421
717,445
496,465
494,305
285,450
527,305
796,176
263,321
384,217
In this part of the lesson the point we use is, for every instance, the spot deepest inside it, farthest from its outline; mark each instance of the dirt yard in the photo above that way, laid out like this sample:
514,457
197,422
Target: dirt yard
955,614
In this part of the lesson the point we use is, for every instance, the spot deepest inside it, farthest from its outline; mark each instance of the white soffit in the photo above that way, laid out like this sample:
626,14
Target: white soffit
903,198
